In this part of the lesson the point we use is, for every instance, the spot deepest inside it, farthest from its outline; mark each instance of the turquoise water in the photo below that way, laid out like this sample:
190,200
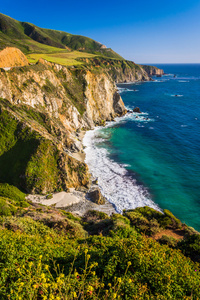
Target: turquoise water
155,161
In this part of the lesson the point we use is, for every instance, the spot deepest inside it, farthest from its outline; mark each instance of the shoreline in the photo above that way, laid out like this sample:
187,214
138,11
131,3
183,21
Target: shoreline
115,182
76,200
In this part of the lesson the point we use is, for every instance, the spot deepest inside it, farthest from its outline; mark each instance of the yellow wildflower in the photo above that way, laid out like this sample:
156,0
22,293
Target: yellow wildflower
90,288
35,286
114,295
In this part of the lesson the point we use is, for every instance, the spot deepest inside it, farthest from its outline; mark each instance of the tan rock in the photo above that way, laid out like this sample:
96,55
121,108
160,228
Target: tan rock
12,57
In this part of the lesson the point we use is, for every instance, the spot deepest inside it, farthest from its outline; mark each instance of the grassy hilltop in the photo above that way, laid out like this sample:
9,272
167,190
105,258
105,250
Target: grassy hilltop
32,39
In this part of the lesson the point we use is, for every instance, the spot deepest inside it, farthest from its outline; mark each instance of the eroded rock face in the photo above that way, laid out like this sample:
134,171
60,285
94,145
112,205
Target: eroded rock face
103,102
12,57
151,70
57,103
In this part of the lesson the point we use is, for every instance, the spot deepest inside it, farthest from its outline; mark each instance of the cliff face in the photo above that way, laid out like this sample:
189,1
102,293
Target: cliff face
12,57
119,70
48,105
151,70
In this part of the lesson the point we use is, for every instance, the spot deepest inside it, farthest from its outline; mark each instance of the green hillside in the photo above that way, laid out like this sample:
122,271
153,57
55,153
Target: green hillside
32,39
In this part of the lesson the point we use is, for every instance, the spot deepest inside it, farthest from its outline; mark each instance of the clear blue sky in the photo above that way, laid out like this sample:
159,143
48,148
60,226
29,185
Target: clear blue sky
145,31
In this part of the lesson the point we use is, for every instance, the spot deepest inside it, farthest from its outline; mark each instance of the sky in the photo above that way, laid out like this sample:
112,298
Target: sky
145,31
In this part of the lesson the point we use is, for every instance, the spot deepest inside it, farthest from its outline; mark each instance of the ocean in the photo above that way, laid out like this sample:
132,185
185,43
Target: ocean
153,158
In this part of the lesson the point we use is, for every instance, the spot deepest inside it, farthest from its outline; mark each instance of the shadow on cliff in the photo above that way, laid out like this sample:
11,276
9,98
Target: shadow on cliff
13,163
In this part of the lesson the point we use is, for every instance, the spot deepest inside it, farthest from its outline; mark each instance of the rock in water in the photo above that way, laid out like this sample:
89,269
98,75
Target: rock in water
95,196
137,110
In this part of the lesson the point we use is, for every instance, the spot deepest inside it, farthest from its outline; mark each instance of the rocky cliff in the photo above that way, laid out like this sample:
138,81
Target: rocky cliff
119,70
151,70
12,57
43,109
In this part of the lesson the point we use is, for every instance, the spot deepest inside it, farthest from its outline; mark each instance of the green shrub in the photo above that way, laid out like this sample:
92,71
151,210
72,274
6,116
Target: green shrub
168,240
26,225
94,215
70,216
11,192
169,220
190,246
6,208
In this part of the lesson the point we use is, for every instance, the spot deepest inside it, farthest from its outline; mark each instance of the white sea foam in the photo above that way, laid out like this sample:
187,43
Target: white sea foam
115,182
183,81
123,90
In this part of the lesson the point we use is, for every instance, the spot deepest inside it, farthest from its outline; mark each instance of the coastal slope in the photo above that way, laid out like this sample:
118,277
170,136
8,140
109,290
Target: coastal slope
44,109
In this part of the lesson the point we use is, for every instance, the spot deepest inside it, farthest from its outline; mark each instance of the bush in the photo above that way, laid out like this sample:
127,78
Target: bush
190,246
168,240
6,208
170,221
13,193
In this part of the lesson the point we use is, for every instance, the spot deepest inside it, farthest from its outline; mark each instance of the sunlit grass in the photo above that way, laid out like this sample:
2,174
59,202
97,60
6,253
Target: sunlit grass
63,58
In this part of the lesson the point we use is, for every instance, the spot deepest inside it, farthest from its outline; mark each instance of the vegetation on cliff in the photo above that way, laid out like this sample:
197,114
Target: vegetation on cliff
47,253
30,161
32,39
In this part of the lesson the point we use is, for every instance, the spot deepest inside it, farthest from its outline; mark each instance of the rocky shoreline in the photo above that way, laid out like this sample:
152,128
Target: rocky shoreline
78,200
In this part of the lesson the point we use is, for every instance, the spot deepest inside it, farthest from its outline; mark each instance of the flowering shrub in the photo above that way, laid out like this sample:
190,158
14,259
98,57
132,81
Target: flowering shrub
38,262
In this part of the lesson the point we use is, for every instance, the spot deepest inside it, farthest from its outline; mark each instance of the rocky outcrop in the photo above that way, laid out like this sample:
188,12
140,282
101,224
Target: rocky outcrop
95,196
119,70
12,57
151,70
137,110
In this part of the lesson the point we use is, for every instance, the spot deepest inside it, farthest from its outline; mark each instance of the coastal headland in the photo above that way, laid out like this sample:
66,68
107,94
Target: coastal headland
60,237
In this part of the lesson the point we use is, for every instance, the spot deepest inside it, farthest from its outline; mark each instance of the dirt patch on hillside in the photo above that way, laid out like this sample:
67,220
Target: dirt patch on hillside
12,57
176,234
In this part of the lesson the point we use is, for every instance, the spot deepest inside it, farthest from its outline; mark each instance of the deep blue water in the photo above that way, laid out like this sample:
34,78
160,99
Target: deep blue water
155,159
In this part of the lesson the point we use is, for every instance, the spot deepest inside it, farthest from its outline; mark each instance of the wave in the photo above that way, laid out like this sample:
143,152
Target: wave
116,183
133,116
122,90
176,95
